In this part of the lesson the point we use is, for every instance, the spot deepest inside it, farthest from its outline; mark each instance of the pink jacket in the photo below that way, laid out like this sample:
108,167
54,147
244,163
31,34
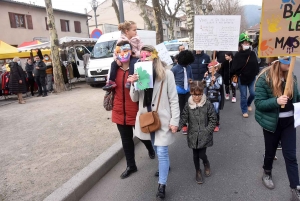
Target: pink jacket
135,42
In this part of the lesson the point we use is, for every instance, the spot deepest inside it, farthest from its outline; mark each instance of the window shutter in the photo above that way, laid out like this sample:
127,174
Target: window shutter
77,26
29,21
12,20
62,25
46,23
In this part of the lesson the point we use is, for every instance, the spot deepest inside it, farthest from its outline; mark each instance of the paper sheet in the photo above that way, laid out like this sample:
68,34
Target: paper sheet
297,114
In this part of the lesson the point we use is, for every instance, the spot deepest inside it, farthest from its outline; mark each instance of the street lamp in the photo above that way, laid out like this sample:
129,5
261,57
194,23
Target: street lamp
166,23
95,5
203,8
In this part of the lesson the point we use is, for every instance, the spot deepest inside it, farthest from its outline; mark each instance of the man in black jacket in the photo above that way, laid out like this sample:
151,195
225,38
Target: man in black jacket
39,73
199,66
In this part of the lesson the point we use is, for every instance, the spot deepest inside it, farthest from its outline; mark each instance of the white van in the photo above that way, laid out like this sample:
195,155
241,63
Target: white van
102,55
173,48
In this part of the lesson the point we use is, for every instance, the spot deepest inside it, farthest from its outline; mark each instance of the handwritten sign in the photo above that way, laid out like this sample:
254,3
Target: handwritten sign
163,53
280,28
217,32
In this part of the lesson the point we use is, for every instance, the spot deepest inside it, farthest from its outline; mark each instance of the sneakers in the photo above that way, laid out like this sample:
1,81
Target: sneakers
249,108
110,85
227,96
245,115
233,100
295,194
267,179
217,128
184,130
279,146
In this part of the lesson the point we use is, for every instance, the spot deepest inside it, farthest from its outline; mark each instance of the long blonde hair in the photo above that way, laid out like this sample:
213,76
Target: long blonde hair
159,66
274,75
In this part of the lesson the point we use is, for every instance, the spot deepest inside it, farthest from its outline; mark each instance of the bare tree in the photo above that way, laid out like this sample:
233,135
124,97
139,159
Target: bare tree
169,14
158,21
58,77
116,8
190,14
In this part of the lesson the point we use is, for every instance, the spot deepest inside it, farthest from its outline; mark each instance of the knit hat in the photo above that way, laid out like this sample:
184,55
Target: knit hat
244,37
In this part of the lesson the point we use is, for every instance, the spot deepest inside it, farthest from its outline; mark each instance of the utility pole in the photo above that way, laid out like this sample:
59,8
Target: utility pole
121,10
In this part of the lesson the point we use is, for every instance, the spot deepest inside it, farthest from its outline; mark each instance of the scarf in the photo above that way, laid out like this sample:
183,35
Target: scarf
185,82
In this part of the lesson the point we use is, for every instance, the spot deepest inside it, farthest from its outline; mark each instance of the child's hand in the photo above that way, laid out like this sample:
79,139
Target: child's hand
205,75
173,128
119,62
213,78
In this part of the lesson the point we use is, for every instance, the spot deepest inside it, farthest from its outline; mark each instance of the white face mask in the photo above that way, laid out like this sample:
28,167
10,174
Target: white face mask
246,47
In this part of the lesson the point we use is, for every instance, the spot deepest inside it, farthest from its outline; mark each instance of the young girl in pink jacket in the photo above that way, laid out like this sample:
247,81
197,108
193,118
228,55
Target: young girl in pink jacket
128,33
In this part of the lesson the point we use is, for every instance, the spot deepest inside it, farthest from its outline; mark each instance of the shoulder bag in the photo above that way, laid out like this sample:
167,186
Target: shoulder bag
108,101
235,78
149,122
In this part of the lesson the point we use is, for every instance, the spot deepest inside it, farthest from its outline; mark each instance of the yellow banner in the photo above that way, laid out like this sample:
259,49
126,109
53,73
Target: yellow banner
280,28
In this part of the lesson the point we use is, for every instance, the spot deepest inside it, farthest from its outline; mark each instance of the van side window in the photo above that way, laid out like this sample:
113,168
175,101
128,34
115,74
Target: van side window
80,51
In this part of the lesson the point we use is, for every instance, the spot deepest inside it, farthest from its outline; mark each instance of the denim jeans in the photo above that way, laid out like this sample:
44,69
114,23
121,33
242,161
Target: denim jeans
162,153
49,82
246,102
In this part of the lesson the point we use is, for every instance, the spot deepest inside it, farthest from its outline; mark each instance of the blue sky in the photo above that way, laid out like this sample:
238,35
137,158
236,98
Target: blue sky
79,5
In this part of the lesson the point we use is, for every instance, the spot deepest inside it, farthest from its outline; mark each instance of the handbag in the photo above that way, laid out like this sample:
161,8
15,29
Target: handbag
235,78
149,122
108,102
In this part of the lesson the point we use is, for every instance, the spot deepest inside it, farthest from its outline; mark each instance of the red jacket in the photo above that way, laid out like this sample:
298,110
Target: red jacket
124,110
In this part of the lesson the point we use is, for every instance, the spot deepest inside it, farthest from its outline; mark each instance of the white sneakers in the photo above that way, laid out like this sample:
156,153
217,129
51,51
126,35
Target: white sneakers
233,100
227,96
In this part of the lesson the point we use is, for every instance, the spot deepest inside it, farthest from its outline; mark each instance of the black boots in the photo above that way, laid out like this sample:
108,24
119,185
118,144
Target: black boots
128,172
151,154
161,192
199,178
207,169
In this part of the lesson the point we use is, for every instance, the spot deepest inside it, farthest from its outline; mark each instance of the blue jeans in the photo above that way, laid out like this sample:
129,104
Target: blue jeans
162,153
246,102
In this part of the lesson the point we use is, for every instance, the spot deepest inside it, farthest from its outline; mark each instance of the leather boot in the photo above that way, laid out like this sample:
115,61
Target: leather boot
295,194
267,179
199,178
20,97
128,172
207,169
161,192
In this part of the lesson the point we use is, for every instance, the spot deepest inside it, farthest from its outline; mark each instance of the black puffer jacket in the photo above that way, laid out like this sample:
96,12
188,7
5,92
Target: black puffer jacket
246,73
225,72
16,74
199,66
202,120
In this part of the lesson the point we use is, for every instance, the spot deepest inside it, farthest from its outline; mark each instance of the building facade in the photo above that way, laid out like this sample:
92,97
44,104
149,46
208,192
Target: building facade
20,22
106,15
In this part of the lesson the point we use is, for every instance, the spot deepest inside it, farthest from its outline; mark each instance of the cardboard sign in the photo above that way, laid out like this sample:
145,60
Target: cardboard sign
217,32
280,28
163,53
145,72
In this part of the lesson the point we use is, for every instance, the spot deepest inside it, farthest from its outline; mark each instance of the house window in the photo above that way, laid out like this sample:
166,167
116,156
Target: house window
177,23
64,24
164,31
19,20
77,26
178,34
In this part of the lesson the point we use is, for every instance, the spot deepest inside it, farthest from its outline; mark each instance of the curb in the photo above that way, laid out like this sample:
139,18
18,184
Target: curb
83,181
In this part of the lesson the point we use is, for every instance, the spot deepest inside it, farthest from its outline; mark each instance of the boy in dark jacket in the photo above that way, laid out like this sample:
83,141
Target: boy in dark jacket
199,66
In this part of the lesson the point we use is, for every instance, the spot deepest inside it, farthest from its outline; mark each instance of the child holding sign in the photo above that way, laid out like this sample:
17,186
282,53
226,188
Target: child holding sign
277,122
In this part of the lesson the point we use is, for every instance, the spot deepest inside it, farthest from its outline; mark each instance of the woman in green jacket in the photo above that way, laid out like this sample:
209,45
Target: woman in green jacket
277,122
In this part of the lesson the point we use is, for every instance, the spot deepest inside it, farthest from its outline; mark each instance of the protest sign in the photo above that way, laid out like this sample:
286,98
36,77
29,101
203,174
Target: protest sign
217,32
145,73
163,53
280,28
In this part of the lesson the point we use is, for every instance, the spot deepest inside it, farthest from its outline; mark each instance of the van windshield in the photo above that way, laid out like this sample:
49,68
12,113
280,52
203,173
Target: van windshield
172,47
103,49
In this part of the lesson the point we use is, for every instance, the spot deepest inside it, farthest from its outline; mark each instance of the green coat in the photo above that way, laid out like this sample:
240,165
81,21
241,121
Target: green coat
201,119
267,108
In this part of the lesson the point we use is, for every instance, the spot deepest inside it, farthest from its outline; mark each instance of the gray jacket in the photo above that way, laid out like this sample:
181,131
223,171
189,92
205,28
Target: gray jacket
202,120
41,71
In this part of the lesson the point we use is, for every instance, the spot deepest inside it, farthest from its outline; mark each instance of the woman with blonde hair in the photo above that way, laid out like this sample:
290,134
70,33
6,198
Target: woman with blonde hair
168,112
278,122
17,83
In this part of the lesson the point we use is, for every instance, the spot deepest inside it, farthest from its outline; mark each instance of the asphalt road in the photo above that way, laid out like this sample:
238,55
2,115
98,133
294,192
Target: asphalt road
236,161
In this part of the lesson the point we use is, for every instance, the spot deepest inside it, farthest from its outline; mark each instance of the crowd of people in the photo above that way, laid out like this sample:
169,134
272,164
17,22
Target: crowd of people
194,92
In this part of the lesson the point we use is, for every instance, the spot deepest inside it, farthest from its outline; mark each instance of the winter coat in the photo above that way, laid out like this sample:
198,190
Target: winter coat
16,74
124,110
248,73
266,106
29,69
168,110
39,72
225,72
179,77
202,121
199,66
220,56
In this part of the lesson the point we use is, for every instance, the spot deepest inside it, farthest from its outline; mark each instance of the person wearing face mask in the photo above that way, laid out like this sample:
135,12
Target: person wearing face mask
17,83
49,72
39,73
29,69
245,66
